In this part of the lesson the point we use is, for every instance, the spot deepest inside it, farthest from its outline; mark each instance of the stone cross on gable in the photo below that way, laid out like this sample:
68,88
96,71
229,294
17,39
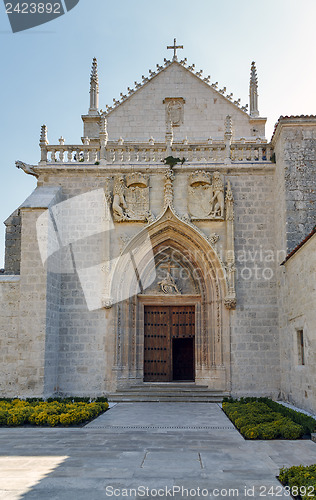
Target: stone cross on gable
175,47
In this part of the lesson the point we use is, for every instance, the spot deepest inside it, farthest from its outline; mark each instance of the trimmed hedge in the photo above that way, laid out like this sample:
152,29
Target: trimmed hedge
307,422
301,480
256,420
64,412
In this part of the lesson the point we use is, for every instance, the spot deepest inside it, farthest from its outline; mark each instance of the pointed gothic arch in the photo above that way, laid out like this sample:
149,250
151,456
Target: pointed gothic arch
131,286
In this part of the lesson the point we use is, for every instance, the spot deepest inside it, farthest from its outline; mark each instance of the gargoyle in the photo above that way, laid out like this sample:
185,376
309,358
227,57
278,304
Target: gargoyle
28,169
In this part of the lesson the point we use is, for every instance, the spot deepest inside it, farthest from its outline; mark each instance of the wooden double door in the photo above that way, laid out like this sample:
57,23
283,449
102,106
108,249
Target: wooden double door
169,334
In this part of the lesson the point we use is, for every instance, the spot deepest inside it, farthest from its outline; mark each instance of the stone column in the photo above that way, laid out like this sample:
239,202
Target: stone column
103,138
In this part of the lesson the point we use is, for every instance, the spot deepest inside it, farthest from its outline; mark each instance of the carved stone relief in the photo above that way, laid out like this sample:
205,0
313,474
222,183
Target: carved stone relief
206,197
174,110
173,276
131,198
169,285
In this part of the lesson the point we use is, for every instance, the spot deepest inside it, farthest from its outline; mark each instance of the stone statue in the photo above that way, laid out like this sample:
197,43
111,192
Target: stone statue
218,196
168,284
119,204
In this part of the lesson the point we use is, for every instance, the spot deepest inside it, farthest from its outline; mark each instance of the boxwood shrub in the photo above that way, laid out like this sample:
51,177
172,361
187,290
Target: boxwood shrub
63,412
258,419
301,480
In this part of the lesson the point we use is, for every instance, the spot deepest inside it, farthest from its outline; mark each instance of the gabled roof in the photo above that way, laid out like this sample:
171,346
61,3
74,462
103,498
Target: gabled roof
191,70
291,118
305,240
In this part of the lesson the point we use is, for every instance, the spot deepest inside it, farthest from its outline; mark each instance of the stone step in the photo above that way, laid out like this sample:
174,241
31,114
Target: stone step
168,389
163,398
169,392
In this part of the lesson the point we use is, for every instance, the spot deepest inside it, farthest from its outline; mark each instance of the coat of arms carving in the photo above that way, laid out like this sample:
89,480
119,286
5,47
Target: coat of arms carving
206,196
131,198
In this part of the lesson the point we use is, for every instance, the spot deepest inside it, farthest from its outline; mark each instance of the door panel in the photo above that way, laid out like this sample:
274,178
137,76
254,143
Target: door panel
162,325
157,364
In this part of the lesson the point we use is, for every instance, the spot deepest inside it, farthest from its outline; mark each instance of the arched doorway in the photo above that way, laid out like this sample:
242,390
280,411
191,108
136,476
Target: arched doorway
197,284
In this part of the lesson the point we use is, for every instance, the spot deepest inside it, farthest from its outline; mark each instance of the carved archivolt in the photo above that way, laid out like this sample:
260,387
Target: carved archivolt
207,288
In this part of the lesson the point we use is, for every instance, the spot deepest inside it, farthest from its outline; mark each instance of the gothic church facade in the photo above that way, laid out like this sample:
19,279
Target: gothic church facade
174,245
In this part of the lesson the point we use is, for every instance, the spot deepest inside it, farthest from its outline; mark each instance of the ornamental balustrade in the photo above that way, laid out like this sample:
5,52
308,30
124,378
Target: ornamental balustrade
216,152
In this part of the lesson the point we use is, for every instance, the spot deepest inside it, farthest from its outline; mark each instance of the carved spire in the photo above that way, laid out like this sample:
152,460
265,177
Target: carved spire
103,136
43,142
168,188
94,89
229,200
228,138
253,91
169,137
228,127
43,137
230,299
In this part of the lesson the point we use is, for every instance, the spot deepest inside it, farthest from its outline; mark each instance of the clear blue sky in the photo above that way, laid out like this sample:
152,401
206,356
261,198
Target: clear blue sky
45,71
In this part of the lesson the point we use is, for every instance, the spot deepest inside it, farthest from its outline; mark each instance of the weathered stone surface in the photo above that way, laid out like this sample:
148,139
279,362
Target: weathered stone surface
74,321
298,314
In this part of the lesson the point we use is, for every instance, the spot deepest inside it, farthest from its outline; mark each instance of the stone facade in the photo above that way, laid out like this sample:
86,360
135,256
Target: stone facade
87,252
298,327
294,142
13,244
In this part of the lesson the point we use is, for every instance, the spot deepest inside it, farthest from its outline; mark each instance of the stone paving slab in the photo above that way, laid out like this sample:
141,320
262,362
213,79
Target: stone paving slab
145,445
163,415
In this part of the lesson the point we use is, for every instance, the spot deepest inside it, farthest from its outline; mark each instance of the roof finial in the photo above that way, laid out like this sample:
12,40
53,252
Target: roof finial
175,47
253,91
94,89
43,137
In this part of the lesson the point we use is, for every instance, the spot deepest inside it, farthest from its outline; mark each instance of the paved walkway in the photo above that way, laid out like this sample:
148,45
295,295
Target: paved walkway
186,450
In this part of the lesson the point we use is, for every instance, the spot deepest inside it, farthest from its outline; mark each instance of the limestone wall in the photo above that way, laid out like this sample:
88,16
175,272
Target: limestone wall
67,346
13,244
86,343
254,323
298,313
295,150
9,333
205,111
294,146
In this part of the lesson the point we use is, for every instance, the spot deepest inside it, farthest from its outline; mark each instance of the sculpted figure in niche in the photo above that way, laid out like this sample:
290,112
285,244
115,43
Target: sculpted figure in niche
119,203
174,113
168,284
218,196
